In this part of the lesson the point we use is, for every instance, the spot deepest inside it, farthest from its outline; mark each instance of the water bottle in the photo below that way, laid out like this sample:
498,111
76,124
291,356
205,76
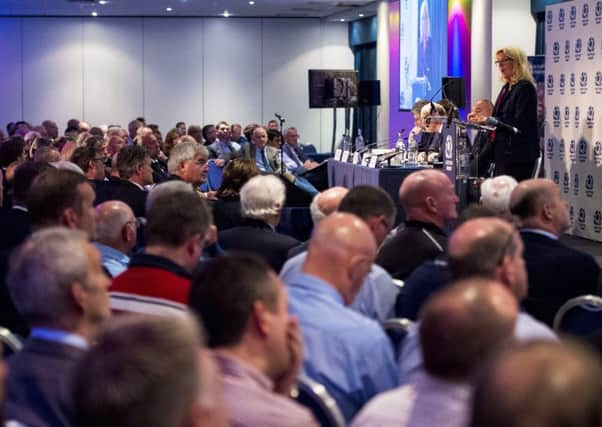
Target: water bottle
359,140
401,148
412,150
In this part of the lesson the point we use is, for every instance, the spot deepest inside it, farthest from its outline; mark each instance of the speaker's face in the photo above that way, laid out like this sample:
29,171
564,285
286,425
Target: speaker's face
506,66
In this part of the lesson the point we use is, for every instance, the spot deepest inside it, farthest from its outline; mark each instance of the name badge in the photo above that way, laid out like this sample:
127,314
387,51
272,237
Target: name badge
337,154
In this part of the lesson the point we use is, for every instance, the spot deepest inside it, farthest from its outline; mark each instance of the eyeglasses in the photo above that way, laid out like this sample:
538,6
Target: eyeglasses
136,222
100,159
501,61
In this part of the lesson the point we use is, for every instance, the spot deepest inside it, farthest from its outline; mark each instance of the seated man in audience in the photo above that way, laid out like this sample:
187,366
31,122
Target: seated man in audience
461,326
148,371
115,235
261,201
91,159
237,135
346,352
274,138
489,248
273,124
133,127
196,132
209,134
188,162
540,384
57,283
429,201
258,349
52,130
157,281
376,298
224,149
294,157
158,160
322,205
495,194
557,272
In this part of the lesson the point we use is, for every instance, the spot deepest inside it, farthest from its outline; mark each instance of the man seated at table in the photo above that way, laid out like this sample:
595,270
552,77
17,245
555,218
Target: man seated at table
299,164
430,143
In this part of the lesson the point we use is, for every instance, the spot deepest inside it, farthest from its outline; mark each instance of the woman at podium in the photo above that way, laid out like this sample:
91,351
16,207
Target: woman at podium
515,144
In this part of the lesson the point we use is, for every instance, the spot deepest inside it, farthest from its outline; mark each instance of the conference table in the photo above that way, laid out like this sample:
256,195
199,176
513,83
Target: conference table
349,175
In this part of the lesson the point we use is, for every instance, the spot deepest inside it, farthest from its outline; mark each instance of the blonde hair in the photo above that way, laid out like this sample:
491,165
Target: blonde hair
521,69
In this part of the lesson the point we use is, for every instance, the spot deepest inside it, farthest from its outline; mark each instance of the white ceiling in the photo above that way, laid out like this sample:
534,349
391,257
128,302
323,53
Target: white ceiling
330,9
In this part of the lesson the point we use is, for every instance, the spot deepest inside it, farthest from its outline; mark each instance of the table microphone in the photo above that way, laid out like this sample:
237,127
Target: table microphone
492,121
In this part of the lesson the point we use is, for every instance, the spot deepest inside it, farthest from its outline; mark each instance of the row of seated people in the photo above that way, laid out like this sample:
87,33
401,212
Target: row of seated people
275,328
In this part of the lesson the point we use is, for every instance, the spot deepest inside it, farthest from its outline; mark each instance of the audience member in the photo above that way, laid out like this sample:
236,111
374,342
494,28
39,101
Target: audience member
346,352
429,201
461,326
181,128
133,127
57,283
158,160
188,162
557,272
540,384
294,157
46,155
259,349
196,132
226,207
261,199
91,159
52,130
115,235
224,149
274,138
495,194
148,371
373,205
171,139
273,124
209,134
489,248
237,135
157,280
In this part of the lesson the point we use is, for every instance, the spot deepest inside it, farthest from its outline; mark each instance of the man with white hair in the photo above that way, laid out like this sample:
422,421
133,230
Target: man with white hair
115,235
57,283
188,162
261,199
495,194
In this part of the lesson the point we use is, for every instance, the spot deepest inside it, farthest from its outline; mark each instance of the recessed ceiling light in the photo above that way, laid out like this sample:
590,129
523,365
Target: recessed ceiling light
168,9
252,3
226,14
361,15
94,13
342,19
102,2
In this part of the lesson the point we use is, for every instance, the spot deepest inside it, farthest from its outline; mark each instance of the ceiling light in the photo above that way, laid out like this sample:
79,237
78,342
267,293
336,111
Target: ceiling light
342,19
361,15
94,13
251,3
226,14
102,2
168,9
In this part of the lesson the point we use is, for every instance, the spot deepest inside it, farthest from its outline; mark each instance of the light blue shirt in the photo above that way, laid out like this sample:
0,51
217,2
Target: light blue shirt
344,351
262,161
410,357
376,298
57,335
114,261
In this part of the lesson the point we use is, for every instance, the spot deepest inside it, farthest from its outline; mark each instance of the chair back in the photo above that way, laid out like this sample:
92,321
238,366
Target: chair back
579,316
397,329
309,149
12,343
314,396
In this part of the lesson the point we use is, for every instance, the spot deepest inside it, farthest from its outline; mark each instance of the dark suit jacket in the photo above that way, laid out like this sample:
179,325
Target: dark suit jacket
38,385
409,247
226,213
258,238
124,191
14,224
518,108
557,273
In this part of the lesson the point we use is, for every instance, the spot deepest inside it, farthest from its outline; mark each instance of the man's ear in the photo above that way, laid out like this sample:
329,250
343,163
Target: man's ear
194,245
79,295
431,204
547,212
261,318
69,218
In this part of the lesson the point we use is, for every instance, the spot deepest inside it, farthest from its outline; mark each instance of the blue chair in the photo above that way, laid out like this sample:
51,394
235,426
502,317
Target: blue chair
296,222
580,316
309,149
11,343
314,396
397,329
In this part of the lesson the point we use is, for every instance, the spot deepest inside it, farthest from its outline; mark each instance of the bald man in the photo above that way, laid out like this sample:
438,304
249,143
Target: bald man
557,273
115,235
461,326
482,146
483,247
346,352
429,200
540,384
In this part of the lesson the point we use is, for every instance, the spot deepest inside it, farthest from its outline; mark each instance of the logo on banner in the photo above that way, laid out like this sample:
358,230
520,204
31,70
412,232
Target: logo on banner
591,48
567,117
576,185
573,17
583,83
567,50
578,48
571,214
577,117
449,144
550,149
585,14
549,20
598,153
556,116
561,149
572,150
597,221
589,186
589,120
556,51
562,82
581,219
556,177
582,150
598,12
565,183
550,84
572,83
561,18
598,82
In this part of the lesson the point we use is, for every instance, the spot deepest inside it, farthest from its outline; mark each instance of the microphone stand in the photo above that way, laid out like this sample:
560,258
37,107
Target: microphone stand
282,165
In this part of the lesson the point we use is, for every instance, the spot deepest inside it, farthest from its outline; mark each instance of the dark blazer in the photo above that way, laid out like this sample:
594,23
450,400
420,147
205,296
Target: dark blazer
409,247
130,194
226,213
159,171
14,226
556,274
517,108
38,389
258,238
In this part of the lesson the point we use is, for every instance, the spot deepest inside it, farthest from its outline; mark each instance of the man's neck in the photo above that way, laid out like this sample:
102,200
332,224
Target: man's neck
438,222
119,247
175,255
249,353
538,225
136,180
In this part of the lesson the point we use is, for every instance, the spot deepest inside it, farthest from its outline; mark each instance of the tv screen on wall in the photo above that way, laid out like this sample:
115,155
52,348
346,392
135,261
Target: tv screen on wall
422,49
332,88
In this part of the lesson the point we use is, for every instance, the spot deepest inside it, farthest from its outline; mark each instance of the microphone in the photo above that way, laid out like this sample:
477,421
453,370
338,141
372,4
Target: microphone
492,121
436,93
278,116
366,148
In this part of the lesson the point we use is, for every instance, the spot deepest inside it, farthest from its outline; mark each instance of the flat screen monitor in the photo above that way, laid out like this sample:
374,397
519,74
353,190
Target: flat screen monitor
332,88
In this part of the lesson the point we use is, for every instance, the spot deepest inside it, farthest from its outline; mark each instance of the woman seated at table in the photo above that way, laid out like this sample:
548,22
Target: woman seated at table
430,144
